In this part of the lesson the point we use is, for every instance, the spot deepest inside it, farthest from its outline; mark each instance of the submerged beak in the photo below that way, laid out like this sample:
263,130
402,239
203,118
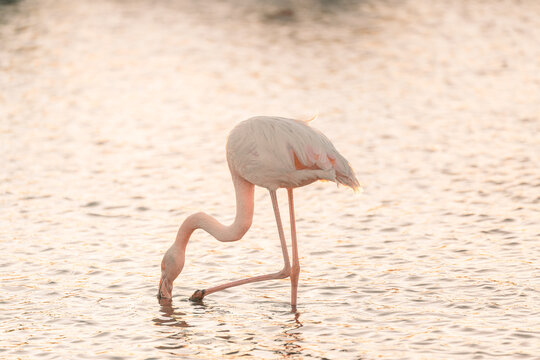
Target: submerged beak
165,288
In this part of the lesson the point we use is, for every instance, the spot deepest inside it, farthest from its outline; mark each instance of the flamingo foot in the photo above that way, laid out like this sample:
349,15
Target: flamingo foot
198,295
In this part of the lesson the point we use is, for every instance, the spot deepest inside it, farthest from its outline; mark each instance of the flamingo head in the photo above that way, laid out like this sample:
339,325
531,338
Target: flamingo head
171,266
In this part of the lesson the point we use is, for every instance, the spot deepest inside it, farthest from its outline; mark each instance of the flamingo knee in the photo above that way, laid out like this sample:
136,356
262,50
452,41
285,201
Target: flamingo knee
284,273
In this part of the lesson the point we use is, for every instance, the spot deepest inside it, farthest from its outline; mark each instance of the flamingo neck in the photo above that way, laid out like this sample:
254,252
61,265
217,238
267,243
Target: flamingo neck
244,215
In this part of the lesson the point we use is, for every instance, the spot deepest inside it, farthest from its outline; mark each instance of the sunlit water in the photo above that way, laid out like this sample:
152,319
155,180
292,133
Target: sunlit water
113,122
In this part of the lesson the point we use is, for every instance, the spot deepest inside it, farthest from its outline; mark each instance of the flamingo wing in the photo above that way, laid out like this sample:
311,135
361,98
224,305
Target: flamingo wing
277,152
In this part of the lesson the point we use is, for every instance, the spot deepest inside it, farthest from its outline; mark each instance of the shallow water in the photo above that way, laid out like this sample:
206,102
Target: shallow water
113,122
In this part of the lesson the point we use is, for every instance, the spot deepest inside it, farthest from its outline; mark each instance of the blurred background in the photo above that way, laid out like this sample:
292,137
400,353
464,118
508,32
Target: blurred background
113,122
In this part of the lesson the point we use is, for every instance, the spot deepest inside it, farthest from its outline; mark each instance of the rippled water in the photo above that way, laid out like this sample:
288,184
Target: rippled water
113,120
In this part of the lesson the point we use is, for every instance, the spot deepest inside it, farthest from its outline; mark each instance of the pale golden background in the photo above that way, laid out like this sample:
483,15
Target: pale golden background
113,122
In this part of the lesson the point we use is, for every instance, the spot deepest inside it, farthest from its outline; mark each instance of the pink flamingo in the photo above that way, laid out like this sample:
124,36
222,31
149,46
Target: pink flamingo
273,153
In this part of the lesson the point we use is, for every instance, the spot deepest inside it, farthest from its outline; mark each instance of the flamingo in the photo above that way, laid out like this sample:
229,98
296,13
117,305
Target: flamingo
271,152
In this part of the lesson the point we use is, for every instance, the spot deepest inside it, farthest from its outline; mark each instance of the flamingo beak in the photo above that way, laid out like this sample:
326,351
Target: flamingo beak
165,288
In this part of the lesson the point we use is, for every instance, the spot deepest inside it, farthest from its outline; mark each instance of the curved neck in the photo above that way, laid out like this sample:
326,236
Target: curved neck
242,222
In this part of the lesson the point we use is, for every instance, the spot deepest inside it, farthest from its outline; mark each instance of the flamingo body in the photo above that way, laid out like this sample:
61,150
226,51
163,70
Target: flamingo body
270,152
274,152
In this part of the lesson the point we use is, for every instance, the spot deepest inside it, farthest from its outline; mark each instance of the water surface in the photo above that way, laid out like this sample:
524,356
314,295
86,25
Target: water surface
113,122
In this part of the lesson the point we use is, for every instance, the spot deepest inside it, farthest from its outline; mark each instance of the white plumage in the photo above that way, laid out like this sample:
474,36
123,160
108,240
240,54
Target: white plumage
275,152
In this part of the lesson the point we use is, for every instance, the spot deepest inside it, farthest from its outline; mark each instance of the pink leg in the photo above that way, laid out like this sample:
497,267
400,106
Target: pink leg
295,271
285,272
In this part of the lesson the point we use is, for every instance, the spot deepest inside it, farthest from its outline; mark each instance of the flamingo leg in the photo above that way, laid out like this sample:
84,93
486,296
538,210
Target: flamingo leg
295,270
283,273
